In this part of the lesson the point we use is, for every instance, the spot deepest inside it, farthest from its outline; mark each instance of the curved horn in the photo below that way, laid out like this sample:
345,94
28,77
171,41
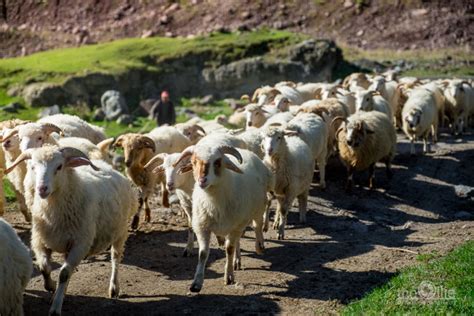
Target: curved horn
245,97
70,154
199,128
256,94
149,143
337,118
118,142
466,82
186,153
23,156
152,162
231,151
105,144
49,128
11,133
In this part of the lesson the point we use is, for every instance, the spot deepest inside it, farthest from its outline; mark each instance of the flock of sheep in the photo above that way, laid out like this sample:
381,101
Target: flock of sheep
80,205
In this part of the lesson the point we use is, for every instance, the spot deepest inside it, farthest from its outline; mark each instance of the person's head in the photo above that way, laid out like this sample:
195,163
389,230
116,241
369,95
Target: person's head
165,96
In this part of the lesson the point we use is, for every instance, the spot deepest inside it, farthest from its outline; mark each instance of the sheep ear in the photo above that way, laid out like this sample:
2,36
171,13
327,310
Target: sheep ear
105,145
159,169
186,168
148,143
158,158
288,132
231,166
369,131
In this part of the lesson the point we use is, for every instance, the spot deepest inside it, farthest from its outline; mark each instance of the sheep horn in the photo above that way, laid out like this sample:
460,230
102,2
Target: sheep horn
23,156
70,153
154,160
199,128
231,151
10,134
466,82
186,153
49,128
256,94
105,144
337,118
149,143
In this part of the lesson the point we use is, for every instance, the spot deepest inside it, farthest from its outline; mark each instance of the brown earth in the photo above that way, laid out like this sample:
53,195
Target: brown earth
27,26
351,244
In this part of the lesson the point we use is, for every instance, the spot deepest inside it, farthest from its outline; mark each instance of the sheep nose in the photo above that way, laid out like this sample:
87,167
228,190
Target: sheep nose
249,124
202,182
43,191
170,186
7,144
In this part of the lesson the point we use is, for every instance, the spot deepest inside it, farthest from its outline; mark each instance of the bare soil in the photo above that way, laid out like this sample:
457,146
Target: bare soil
347,248
28,26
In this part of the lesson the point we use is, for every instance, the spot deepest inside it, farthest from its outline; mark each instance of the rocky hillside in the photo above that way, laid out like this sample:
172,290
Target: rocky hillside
28,26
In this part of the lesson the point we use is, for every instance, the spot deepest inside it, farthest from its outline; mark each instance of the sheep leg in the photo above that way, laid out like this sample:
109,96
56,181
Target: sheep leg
164,196
136,217
237,261
22,205
322,171
266,215
276,220
412,146
147,210
230,248
116,254
74,257
388,165
425,143
203,238
259,240
190,244
303,205
283,207
371,176
434,134
349,182
43,260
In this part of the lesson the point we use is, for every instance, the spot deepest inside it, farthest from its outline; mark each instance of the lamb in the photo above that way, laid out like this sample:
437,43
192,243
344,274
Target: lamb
292,163
253,140
219,171
176,181
367,100
420,117
34,135
138,150
77,211
16,268
314,131
364,139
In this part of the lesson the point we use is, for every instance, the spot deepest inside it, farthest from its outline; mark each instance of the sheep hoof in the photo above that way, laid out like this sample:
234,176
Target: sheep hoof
265,228
135,222
186,253
54,313
229,280
280,236
114,292
195,288
237,265
147,218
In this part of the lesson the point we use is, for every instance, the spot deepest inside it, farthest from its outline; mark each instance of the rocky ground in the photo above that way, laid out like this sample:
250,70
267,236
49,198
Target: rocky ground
351,244
27,26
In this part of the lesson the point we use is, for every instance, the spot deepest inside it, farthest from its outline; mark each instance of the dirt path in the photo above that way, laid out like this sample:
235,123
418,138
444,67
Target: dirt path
339,255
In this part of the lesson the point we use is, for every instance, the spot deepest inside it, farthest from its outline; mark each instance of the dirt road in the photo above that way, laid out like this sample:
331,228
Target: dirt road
345,250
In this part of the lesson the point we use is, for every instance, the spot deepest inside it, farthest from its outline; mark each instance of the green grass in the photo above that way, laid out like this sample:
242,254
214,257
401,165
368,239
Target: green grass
9,193
451,277
135,53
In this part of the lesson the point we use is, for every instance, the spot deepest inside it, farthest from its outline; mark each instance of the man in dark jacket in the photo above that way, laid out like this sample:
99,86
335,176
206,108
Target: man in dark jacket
163,110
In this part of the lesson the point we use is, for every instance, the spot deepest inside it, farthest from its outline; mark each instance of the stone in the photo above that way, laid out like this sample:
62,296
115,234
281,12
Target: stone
206,100
113,104
44,94
50,110
125,119
464,191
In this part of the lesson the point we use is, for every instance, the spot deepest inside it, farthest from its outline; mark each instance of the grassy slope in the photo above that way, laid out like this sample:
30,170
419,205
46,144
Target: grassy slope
454,272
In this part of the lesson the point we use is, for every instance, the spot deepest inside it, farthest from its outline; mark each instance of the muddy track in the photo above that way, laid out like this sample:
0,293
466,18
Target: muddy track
351,244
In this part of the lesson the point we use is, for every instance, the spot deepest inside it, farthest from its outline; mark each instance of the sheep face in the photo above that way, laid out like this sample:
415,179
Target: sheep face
49,165
208,163
12,143
273,139
194,132
356,132
282,103
413,119
377,84
172,173
456,91
364,101
135,148
34,135
255,116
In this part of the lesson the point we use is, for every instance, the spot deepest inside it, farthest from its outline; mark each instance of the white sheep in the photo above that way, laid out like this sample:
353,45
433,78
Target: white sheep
99,151
177,182
389,90
420,117
267,94
292,163
364,139
313,130
230,191
16,268
459,102
79,208
439,99
368,100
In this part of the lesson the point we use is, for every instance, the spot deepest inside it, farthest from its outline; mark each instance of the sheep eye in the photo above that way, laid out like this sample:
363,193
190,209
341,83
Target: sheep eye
40,138
217,163
59,167
367,99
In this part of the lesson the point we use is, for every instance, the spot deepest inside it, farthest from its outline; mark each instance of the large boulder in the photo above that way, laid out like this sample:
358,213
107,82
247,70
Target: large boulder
113,104
44,94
